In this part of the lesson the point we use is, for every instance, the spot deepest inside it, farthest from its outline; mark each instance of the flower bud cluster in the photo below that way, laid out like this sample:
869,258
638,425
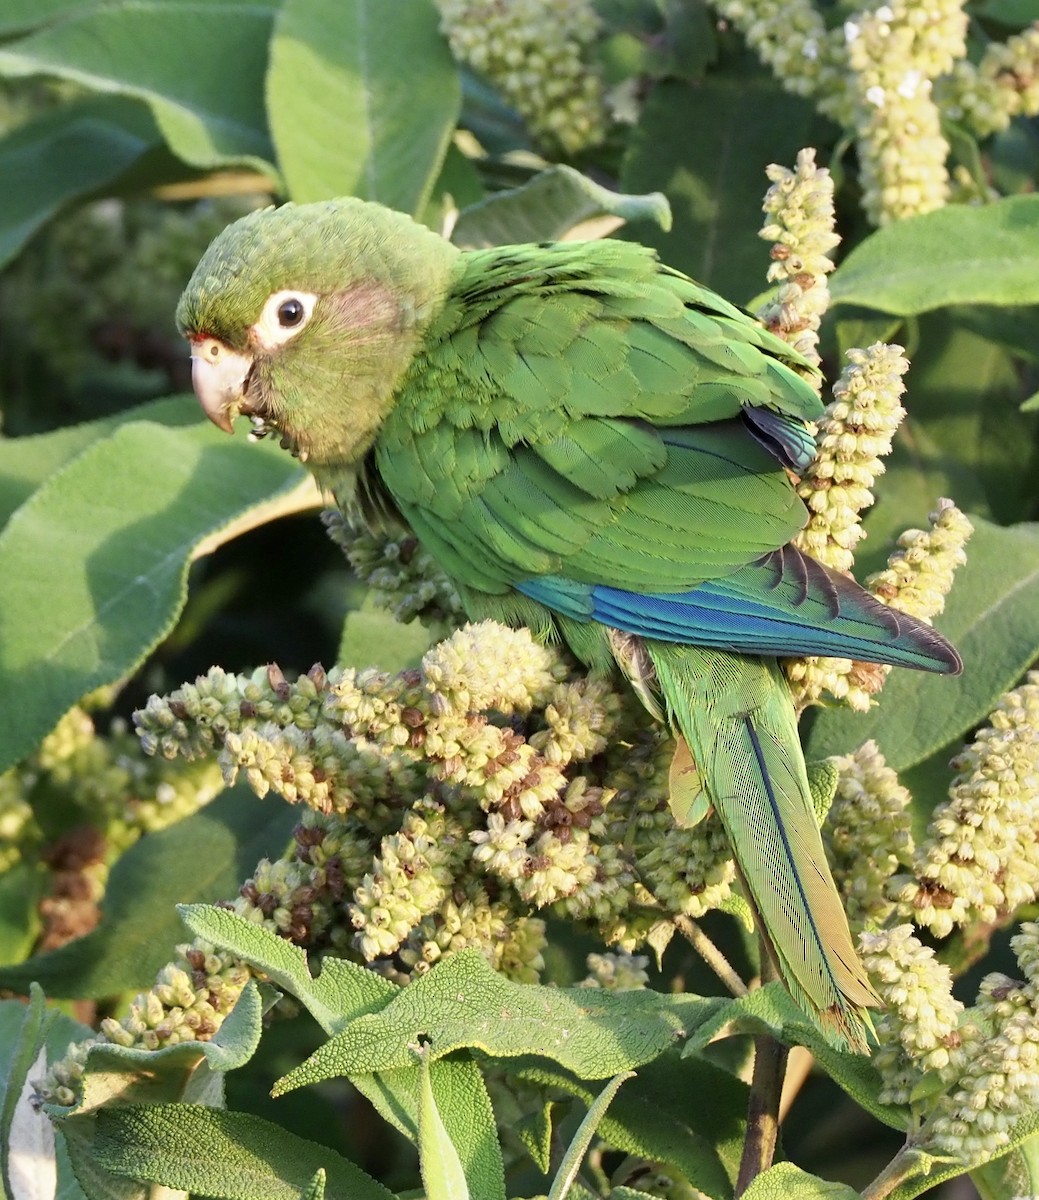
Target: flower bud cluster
791,37
619,972
117,796
188,1001
800,224
1003,85
998,1081
536,53
854,436
401,576
868,832
980,858
896,51
920,572
918,1030
460,799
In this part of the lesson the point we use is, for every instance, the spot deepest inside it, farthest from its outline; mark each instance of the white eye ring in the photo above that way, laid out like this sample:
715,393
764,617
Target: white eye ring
284,315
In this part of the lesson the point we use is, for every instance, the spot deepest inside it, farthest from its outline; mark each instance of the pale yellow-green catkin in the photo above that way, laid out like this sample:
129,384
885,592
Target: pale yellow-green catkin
918,1028
799,222
536,52
979,860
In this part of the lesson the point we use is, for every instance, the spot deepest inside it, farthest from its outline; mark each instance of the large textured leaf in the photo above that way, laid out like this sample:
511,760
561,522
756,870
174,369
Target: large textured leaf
173,55
784,1181
557,204
31,1038
64,155
993,619
341,993
442,1172
188,1072
962,254
93,566
984,455
205,857
210,1152
706,147
21,16
462,1002
342,119
26,462
772,1010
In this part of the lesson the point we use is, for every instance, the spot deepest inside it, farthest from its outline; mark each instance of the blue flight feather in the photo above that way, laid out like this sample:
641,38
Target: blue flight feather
783,605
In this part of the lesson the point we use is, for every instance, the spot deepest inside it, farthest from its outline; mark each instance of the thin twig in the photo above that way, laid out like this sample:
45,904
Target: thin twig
711,955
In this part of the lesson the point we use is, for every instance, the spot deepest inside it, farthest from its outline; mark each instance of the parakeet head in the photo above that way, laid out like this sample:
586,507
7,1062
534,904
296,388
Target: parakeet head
305,318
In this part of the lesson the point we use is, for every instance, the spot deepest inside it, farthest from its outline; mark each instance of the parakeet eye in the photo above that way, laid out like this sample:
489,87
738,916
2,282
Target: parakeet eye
290,312
283,316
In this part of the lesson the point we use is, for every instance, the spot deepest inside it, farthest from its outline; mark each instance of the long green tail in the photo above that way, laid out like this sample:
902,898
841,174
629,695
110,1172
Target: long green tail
736,715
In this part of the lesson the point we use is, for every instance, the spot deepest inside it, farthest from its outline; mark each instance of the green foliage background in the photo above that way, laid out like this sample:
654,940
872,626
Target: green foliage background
139,545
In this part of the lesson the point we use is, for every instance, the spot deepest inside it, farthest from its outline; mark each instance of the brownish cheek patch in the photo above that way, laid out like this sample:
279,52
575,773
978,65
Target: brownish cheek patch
364,306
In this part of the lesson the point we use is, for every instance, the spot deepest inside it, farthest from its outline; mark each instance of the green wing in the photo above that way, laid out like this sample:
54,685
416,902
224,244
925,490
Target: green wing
579,410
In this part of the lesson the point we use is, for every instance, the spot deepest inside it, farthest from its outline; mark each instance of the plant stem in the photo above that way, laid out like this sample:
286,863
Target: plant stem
766,1087
892,1175
711,955
766,1091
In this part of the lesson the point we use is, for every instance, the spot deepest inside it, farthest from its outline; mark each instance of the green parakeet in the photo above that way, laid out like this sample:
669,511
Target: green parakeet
591,444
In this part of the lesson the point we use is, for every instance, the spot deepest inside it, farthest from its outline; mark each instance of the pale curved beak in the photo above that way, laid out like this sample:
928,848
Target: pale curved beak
218,376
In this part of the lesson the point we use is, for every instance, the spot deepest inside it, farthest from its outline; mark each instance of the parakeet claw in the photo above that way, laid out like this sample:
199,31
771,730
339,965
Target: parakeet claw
219,376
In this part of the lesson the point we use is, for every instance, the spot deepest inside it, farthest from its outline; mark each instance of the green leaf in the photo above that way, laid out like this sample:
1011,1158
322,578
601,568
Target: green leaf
655,1116
93,567
464,1106
340,994
22,886
205,856
373,637
26,462
189,1072
992,617
770,1009
21,16
25,1031
23,1057
787,1182
962,254
462,1002
221,1154
315,1189
341,121
1014,1174
441,1167
64,155
582,1139
559,203
173,56
706,146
